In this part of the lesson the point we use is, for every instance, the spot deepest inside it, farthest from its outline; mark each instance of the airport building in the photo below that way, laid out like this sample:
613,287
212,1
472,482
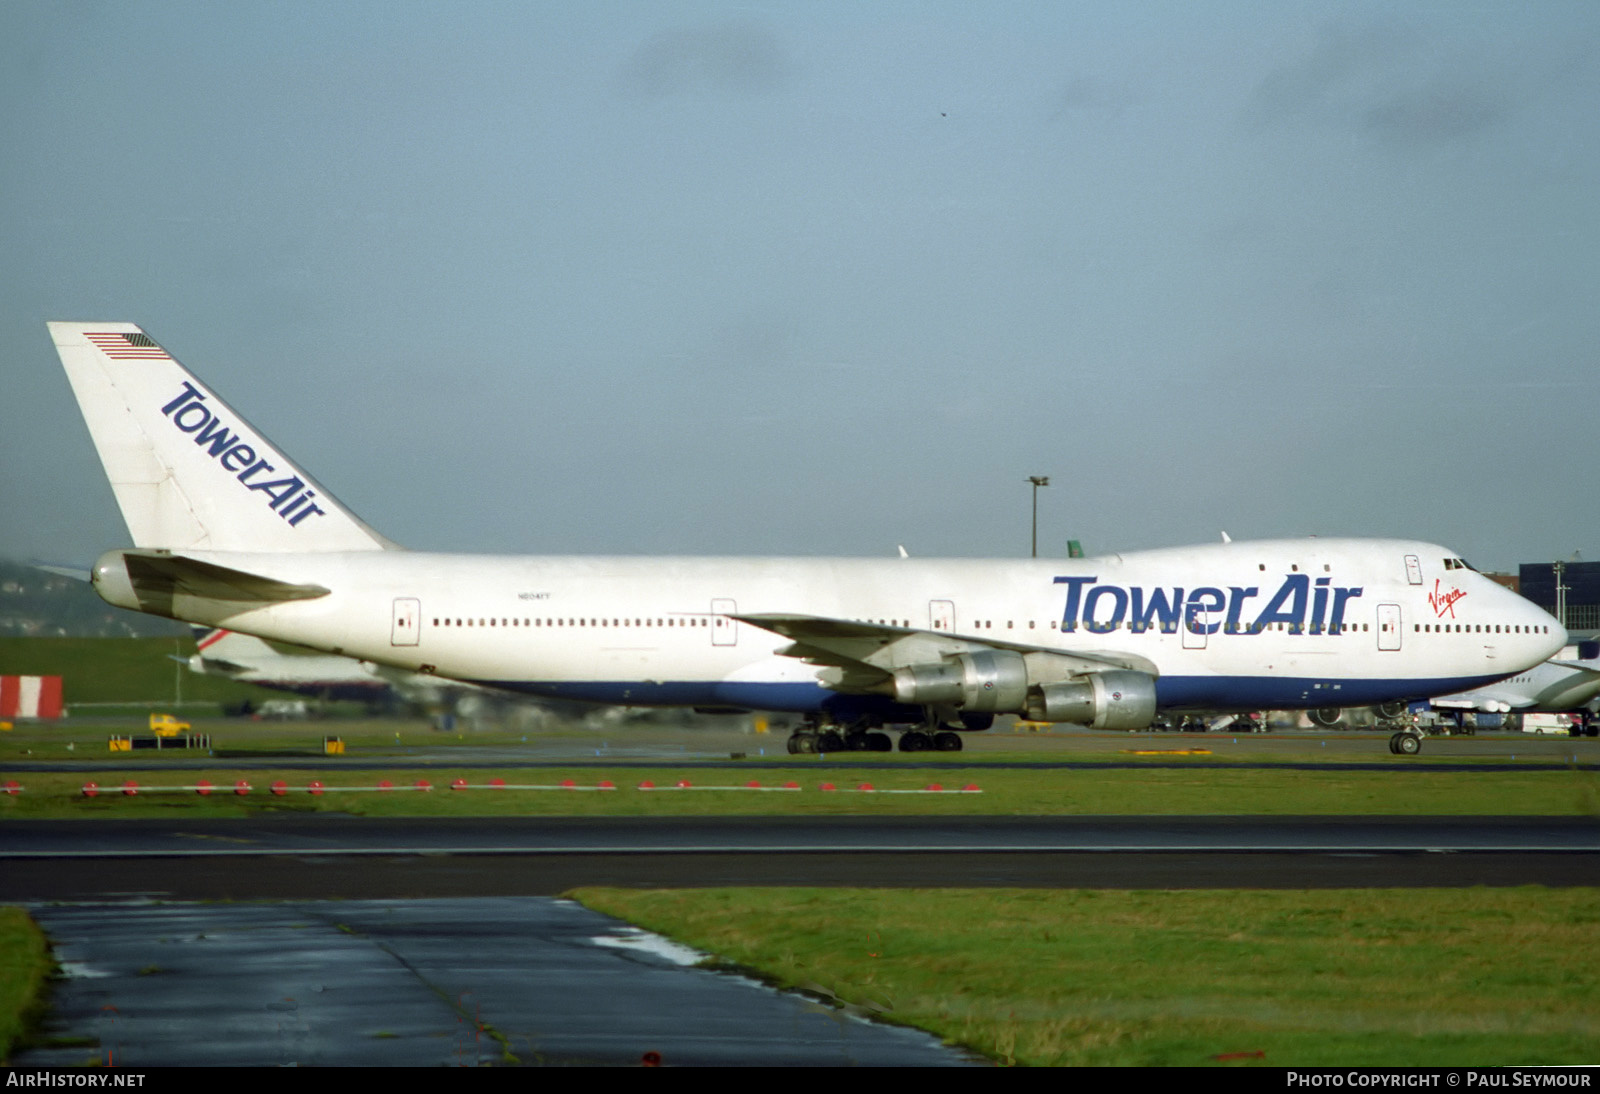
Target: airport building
1570,591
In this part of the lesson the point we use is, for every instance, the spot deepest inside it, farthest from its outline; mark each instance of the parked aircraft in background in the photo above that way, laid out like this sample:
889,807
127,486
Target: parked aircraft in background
249,660
1568,681
231,533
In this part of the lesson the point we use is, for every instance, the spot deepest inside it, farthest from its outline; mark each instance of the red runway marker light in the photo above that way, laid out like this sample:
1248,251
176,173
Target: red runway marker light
315,787
607,784
935,787
498,783
13,788
753,784
423,784
90,790
203,788
385,784
865,787
280,788
459,784
828,786
241,788
971,786
130,788
568,784
791,786
683,784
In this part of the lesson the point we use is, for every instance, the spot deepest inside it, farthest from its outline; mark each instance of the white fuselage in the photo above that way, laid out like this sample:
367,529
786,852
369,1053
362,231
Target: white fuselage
1273,624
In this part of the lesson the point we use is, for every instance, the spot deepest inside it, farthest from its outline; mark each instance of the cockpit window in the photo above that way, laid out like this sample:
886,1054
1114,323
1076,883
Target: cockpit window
1458,564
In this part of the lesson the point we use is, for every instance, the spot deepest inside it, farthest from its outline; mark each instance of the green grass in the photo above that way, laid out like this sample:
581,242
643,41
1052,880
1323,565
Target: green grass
25,967
1425,977
1003,792
119,670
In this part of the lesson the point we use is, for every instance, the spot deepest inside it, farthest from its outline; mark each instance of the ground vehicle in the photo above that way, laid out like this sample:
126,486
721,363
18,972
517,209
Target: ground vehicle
165,725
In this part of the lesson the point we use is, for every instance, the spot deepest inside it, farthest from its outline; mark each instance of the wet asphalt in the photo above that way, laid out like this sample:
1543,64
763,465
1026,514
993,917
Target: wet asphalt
500,981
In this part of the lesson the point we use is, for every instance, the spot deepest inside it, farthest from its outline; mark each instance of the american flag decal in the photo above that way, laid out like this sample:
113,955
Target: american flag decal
127,347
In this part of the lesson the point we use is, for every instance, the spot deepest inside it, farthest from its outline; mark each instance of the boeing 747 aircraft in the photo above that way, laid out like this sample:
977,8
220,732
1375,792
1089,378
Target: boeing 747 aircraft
229,532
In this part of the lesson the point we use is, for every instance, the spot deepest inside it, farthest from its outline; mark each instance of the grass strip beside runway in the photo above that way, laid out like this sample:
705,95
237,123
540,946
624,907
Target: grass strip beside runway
25,966
1171,792
1421,977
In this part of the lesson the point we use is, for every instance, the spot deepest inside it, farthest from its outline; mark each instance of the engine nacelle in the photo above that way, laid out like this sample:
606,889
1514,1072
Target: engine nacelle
997,681
1118,699
983,681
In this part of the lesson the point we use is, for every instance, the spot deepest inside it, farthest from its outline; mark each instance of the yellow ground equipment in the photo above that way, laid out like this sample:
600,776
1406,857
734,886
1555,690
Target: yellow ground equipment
165,725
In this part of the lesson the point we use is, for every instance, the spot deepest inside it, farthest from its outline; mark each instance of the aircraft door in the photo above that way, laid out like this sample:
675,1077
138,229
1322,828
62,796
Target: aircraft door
1388,626
406,627
1413,570
941,615
1195,625
724,629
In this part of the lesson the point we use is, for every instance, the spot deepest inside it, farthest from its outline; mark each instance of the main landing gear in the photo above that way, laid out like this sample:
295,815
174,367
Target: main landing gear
832,738
922,740
862,737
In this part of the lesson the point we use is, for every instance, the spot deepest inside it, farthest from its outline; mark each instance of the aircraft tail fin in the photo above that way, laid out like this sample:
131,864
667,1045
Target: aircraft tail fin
188,471
231,647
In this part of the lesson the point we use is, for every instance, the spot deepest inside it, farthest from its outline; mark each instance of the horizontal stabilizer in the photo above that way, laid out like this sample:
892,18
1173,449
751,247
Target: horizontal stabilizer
151,582
76,573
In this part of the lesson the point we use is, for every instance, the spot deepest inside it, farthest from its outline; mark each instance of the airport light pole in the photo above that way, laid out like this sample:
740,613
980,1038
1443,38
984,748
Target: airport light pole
1038,481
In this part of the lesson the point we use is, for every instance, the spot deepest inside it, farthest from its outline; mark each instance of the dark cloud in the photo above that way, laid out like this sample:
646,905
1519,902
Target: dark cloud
1441,110
1084,95
734,58
1382,81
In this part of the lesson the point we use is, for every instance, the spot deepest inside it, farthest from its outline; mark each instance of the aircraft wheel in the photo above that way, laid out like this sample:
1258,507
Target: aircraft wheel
793,744
1407,744
829,740
947,741
914,740
1394,744
879,742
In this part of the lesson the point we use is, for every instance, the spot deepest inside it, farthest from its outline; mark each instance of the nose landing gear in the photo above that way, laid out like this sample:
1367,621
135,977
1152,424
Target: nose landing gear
1405,744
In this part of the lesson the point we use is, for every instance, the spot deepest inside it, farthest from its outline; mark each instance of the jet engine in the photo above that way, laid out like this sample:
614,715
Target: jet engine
984,680
1101,700
998,681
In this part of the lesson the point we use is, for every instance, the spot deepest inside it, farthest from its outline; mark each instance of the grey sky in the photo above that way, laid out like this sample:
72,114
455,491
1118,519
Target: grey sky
821,278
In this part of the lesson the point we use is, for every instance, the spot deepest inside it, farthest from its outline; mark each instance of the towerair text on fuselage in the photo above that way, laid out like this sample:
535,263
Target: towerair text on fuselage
1299,604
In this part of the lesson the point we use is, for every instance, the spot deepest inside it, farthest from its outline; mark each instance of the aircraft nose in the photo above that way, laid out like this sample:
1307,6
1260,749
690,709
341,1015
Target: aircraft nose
1559,634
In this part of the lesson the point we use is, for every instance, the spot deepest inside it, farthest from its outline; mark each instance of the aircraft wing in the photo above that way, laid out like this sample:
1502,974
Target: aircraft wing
862,656
1587,668
1484,699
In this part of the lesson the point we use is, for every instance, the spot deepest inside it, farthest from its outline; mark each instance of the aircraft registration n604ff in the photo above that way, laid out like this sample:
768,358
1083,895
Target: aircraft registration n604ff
229,532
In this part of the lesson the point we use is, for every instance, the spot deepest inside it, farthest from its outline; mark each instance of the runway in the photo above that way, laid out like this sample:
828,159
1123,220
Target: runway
305,857
427,940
